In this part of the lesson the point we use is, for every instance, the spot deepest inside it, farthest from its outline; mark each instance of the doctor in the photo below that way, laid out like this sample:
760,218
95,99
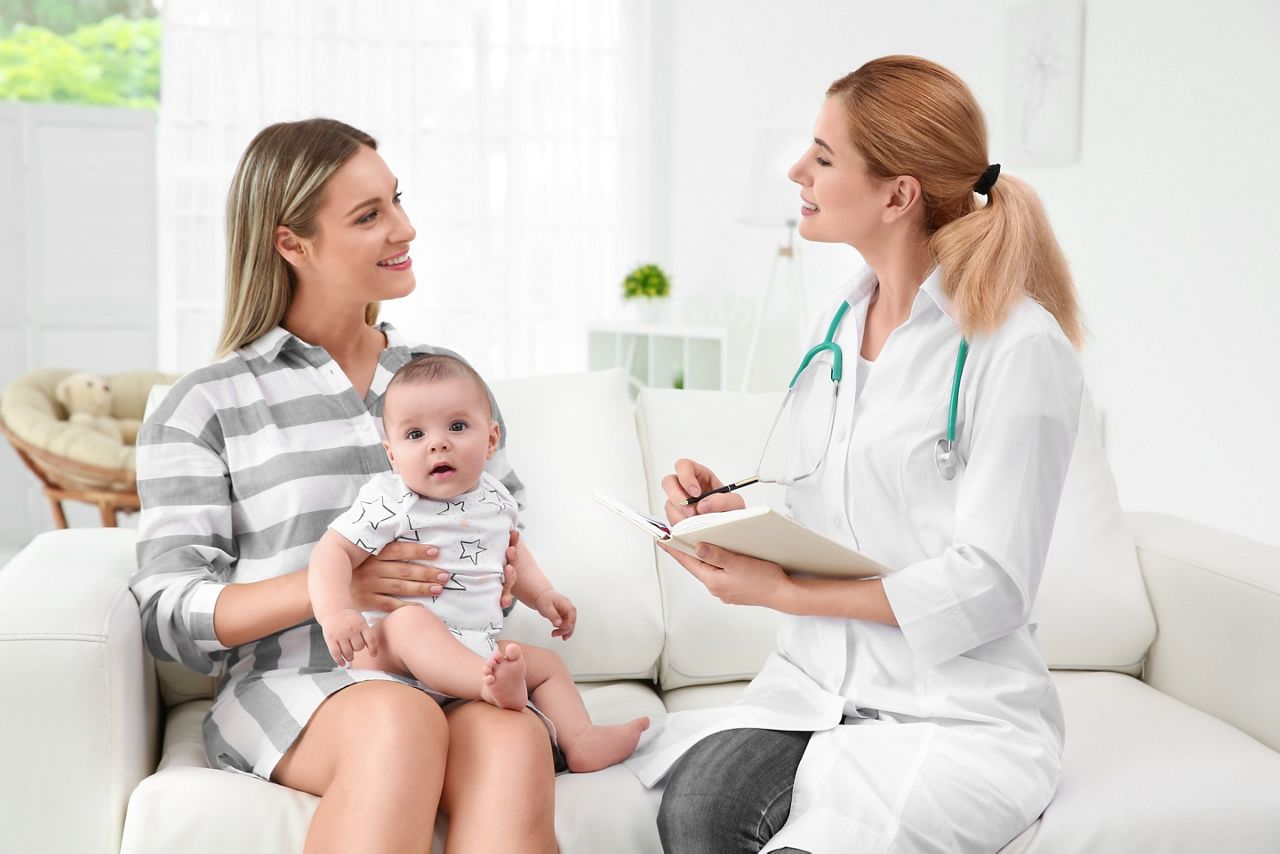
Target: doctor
913,712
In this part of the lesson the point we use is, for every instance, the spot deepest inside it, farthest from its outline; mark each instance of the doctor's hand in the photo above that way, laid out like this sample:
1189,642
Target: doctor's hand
692,479
733,578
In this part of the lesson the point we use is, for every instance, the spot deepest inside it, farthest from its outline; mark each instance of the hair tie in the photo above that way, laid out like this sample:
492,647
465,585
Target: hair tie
988,180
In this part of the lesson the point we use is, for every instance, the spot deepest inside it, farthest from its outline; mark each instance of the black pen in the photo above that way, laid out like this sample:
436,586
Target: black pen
728,487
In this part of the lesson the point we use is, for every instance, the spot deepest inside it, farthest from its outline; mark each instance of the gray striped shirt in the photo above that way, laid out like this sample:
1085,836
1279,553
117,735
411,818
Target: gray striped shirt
240,470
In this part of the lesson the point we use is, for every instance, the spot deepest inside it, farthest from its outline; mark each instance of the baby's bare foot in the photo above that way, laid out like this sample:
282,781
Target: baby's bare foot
599,747
504,675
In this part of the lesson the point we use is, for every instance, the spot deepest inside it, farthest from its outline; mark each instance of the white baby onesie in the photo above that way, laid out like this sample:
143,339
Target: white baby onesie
472,532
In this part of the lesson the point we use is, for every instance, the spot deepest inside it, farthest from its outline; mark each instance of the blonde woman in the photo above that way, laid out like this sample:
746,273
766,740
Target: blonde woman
244,465
911,712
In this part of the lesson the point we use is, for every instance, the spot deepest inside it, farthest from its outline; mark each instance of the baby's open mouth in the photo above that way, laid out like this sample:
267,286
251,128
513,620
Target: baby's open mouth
441,469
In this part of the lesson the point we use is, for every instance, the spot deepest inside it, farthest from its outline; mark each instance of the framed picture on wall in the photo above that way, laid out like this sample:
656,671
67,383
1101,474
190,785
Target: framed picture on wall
1044,55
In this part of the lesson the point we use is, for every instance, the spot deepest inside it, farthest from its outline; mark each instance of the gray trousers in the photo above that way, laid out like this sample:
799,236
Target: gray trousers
731,793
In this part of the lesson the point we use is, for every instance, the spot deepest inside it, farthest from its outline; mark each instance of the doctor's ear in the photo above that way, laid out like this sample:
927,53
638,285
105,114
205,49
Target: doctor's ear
905,198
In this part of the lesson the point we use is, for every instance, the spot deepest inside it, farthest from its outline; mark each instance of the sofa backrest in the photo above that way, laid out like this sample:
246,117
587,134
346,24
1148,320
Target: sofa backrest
1092,610
572,435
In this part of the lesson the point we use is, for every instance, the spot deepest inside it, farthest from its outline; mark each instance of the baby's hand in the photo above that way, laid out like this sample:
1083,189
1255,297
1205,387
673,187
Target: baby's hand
557,608
346,632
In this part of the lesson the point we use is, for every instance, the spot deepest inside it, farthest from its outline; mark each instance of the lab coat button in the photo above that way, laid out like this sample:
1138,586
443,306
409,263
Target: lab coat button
841,435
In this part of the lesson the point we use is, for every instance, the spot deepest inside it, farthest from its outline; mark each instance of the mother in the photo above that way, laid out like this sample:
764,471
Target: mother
913,712
240,470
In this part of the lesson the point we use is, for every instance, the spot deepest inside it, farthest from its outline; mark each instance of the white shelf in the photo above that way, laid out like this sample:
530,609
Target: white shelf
657,354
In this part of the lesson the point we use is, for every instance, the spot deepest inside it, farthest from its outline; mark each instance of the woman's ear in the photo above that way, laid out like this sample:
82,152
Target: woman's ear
905,198
290,246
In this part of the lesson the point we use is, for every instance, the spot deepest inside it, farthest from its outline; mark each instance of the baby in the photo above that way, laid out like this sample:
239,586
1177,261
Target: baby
439,433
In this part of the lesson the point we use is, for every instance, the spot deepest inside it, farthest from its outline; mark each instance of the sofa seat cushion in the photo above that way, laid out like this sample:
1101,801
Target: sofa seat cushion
605,811
1145,772
1141,772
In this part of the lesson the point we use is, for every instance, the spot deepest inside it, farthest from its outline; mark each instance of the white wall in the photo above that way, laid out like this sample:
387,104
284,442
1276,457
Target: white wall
77,263
1169,218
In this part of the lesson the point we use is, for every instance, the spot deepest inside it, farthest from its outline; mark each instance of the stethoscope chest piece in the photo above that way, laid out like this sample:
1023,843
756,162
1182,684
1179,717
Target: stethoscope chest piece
944,455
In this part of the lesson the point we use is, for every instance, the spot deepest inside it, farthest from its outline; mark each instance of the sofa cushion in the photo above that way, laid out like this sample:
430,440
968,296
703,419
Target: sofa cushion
570,435
1092,608
605,811
1144,772
1141,772
707,641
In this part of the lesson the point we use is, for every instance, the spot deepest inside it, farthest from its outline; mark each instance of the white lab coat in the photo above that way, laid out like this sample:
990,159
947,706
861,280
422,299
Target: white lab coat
953,732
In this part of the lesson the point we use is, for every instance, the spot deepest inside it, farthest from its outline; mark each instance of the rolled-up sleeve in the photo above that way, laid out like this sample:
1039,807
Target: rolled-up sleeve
186,550
1022,433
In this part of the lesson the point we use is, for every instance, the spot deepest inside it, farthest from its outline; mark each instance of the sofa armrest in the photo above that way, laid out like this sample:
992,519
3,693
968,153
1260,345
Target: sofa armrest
1216,598
78,701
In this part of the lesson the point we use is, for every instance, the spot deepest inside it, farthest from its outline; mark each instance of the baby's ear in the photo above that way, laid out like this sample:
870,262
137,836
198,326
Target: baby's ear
495,433
391,458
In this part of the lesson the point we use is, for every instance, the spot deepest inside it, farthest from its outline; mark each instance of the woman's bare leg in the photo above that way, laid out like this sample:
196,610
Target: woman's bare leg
375,754
499,786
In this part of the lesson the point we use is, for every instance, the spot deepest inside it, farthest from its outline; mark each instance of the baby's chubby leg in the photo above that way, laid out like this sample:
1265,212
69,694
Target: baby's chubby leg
586,746
413,640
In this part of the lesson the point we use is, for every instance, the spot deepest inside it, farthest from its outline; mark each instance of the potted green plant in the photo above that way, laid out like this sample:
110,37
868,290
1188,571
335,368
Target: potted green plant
647,287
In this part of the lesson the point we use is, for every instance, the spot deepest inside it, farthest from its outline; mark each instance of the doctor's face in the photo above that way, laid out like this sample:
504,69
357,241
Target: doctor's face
841,201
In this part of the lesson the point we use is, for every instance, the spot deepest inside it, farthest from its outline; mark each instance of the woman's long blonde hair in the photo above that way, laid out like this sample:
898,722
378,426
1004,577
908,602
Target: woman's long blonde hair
909,116
280,181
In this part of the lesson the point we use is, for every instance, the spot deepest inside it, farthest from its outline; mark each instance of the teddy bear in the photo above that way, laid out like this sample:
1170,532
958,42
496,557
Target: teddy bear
87,397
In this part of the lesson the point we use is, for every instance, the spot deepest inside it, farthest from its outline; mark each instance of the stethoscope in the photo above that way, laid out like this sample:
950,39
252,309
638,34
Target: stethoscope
944,452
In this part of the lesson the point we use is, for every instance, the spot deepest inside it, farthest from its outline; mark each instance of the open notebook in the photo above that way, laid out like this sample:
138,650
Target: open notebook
760,532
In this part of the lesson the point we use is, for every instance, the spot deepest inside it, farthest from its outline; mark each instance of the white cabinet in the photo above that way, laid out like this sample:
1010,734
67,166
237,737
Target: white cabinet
660,355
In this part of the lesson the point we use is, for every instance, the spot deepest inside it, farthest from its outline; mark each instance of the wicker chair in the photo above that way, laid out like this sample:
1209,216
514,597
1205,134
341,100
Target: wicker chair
73,462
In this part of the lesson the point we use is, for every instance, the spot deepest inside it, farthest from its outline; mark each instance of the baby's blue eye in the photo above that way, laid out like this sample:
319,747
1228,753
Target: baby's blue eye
458,426
413,434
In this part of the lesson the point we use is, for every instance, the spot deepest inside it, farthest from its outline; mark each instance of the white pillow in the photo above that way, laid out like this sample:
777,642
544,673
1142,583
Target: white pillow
707,641
571,435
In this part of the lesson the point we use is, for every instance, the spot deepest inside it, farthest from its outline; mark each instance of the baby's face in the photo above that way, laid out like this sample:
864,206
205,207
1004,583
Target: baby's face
439,435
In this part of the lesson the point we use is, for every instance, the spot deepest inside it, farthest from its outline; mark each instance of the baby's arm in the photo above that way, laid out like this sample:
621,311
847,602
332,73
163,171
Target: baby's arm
329,582
534,589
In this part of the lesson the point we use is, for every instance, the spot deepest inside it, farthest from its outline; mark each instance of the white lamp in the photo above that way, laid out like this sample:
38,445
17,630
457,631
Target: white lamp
774,202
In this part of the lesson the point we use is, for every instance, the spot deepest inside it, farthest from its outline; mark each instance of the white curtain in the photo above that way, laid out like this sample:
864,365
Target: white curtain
518,131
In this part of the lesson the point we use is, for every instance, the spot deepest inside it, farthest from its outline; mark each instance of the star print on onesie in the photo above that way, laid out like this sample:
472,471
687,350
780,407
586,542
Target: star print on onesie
472,532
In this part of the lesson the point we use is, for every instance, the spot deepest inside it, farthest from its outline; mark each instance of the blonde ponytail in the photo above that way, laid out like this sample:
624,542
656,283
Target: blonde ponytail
909,116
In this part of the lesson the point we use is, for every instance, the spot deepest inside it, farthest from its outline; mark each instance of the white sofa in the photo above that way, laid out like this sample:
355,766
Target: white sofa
1164,636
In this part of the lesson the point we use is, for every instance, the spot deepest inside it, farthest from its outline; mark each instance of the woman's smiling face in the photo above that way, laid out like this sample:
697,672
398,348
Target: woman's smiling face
360,251
841,201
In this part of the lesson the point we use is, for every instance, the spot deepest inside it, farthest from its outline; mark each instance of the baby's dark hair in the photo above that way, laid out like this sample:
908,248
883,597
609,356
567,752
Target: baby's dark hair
435,367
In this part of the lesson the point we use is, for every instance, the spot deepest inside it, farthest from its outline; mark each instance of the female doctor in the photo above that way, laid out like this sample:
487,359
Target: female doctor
911,712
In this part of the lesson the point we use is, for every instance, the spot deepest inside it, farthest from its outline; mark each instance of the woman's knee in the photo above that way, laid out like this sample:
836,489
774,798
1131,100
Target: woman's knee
397,726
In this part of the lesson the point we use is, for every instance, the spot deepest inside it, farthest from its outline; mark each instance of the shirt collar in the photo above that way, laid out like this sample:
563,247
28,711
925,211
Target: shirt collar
933,289
277,339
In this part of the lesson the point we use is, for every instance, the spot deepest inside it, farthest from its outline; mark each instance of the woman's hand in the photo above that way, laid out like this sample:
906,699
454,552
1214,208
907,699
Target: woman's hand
509,571
692,479
380,579
736,579
559,609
